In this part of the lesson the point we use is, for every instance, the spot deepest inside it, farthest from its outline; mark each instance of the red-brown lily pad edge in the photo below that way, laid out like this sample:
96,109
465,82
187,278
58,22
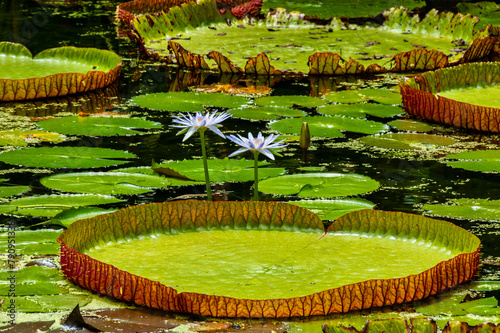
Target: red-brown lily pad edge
421,96
277,233
54,72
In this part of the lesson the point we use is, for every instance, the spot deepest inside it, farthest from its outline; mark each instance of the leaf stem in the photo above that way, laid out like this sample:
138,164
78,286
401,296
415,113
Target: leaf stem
205,164
256,175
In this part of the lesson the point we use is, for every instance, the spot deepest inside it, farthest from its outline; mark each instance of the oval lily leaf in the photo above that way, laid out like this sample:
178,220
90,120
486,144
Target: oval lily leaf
49,303
407,141
104,182
383,96
325,126
33,242
344,96
96,126
51,205
204,270
289,101
176,179
473,209
361,110
24,137
266,113
66,157
188,101
319,185
54,72
8,191
68,216
224,170
34,280
411,125
477,160
333,209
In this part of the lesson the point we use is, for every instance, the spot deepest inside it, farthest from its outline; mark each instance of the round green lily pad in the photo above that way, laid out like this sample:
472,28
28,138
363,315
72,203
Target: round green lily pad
97,126
51,205
408,141
68,216
383,96
474,209
188,101
24,137
319,185
104,182
411,125
360,110
33,242
325,126
477,160
333,209
66,157
483,95
289,101
265,112
8,191
344,96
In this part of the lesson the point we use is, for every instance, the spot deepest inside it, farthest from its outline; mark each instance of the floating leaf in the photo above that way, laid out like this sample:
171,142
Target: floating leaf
288,101
328,126
261,269
411,125
477,160
188,101
105,182
48,303
473,209
54,72
66,157
8,191
407,141
66,217
33,280
344,96
266,113
24,137
383,96
97,126
319,185
32,242
51,205
333,209
361,110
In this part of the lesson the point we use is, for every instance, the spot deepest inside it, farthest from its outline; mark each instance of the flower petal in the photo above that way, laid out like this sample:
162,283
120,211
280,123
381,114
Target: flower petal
268,153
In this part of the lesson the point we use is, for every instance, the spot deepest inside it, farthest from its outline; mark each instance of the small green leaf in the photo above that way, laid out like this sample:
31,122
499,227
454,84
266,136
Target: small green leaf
333,209
266,112
478,160
360,110
411,125
474,209
288,101
32,242
408,141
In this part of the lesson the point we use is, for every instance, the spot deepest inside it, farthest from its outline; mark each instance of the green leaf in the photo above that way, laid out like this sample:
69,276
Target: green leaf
408,141
288,101
97,126
474,209
333,209
319,185
411,125
51,205
188,101
32,242
66,157
360,110
266,113
48,303
324,126
105,182
477,160
9,191
66,217
24,137
344,96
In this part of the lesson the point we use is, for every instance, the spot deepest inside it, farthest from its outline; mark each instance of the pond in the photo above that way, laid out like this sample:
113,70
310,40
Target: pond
417,179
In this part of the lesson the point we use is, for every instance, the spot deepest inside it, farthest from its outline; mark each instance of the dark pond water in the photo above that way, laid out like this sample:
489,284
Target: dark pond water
408,179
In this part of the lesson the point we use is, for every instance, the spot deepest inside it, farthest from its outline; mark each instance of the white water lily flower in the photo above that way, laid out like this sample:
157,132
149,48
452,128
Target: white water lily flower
192,123
258,144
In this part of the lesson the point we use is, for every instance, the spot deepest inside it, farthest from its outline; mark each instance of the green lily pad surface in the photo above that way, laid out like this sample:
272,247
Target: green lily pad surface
66,157
104,182
474,209
51,205
325,126
333,209
8,191
410,125
33,242
266,113
319,185
361,110
478,160
66,217
484,95
188,101
382,96
407,141
97,126
24,137
289,101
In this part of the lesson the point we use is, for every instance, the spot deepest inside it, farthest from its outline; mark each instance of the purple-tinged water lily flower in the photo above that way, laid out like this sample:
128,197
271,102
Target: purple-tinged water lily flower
193,123
256,146
199,122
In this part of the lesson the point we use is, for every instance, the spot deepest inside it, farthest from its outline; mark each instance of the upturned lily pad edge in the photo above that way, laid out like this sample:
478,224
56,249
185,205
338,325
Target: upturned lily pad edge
108,280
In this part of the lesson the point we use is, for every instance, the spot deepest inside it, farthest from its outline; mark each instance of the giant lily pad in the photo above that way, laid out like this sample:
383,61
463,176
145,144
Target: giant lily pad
97,126
54,72
66,157
472,91
286,42
319,185
477,160
253,259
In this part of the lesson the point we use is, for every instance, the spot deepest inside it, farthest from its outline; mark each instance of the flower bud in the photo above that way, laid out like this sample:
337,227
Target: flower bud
305,136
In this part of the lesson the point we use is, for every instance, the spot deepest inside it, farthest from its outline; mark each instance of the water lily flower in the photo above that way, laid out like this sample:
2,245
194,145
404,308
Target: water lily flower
193,123
256,146
199,122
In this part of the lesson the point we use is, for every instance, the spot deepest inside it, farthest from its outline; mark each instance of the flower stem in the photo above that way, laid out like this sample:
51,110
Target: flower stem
256,175
205,164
